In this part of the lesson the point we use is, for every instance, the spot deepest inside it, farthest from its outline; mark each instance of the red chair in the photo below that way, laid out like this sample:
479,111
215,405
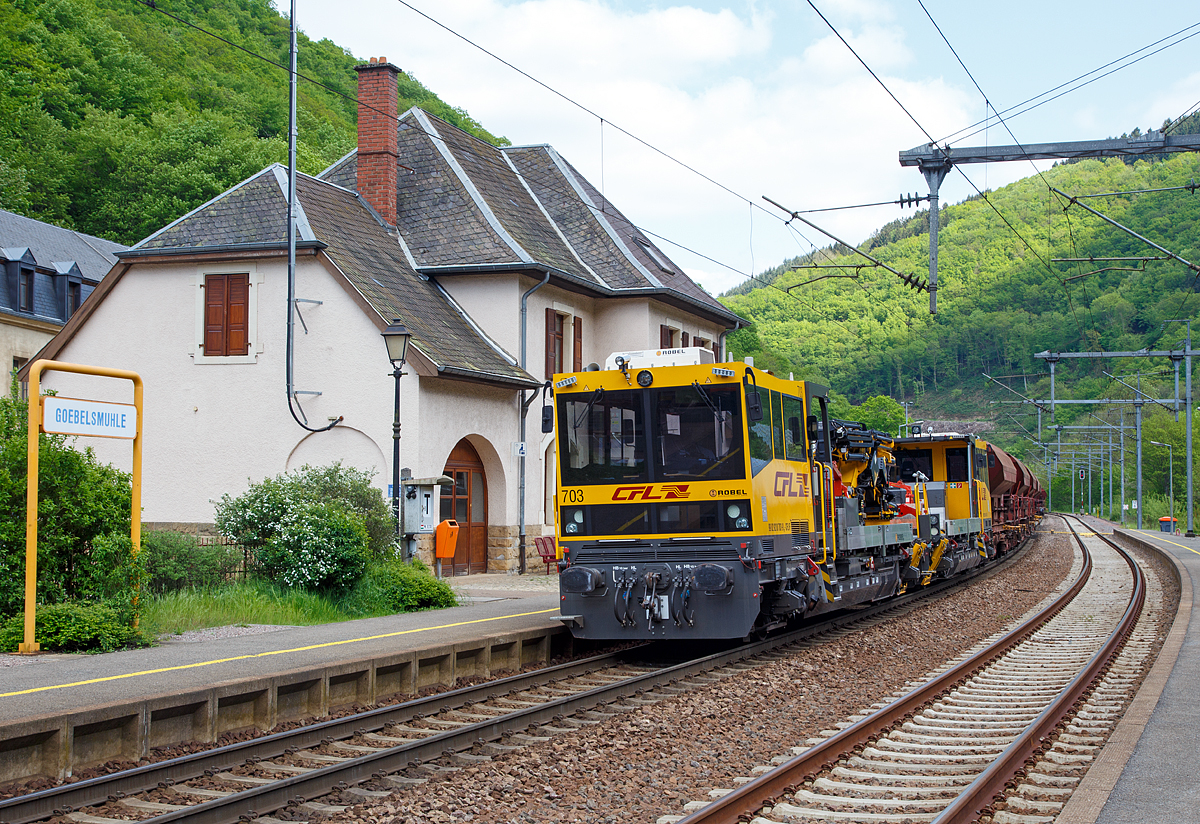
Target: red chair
548,551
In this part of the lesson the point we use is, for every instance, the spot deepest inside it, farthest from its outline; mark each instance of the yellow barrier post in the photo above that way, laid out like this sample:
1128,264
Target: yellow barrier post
37,406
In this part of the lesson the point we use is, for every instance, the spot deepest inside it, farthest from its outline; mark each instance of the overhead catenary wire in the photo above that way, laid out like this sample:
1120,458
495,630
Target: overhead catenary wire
958,136
1190,187
1190,110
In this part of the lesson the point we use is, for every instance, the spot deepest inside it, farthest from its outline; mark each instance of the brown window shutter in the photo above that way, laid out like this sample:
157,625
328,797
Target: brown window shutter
237,314
664,337
683,341
215,287
577,344
551,323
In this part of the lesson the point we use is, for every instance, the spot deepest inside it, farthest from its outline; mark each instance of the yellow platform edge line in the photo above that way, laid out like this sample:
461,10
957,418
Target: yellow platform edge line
271,652
1172,543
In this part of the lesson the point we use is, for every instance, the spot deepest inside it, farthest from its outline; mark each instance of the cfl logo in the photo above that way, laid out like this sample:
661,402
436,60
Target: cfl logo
646,493
789,485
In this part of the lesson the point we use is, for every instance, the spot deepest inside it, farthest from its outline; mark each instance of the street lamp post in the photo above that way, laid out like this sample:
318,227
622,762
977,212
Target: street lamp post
396,337
906,405
1171,485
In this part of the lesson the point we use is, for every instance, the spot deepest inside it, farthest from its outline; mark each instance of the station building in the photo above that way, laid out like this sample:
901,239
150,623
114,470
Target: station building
506,265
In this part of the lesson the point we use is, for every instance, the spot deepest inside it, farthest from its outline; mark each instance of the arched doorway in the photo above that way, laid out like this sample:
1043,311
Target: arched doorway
466,503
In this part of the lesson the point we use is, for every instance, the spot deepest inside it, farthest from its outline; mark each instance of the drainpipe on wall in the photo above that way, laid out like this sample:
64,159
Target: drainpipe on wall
524,409
721,346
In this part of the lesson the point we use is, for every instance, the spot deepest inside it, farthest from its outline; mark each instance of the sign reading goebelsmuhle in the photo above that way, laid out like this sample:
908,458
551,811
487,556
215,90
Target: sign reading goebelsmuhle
71,416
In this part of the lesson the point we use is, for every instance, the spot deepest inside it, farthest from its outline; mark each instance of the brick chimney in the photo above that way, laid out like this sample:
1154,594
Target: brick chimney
377,153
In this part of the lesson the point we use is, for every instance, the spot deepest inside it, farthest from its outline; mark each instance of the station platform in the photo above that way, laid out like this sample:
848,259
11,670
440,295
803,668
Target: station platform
1147,770
65,711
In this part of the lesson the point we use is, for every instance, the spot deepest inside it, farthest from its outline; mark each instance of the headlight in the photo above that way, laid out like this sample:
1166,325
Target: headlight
733,511
644,378
577,516
571,529
742,523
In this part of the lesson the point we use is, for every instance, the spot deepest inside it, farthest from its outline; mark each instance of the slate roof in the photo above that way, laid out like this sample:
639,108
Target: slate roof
375,263
254,214
254,211
468,205
52,244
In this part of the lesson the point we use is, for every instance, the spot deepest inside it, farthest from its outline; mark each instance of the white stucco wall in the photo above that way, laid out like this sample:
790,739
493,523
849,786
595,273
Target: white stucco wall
494,302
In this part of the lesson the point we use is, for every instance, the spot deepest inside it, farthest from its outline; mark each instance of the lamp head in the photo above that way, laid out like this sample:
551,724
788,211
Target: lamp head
396,336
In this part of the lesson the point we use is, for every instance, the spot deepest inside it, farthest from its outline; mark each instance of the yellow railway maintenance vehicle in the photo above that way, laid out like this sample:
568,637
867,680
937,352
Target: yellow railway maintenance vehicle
946,478
715,500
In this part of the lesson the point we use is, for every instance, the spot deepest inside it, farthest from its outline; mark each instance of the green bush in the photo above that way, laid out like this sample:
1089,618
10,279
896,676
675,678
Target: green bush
394,586
318,545
74,627
175,561
79,499
253,517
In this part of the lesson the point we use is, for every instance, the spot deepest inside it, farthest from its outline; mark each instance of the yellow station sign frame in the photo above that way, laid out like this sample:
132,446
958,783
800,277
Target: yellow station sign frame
36,407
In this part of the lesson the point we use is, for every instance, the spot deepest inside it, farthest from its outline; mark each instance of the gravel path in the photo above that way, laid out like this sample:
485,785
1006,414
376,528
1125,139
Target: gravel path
195,636
648,762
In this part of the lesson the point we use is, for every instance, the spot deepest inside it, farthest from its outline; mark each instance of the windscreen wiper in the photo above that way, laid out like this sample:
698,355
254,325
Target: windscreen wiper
720,413
597,395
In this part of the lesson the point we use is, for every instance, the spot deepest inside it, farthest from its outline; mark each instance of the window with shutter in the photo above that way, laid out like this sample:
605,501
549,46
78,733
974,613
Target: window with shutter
554,342
74,297
664,337
237,313
683,338
577,344
214,315
226,315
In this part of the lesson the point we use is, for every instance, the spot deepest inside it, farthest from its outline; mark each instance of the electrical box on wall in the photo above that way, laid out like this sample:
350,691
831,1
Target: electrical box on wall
421,503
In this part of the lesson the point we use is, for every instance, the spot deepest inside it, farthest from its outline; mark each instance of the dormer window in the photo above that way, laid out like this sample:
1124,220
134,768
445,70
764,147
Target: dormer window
74,297
655,255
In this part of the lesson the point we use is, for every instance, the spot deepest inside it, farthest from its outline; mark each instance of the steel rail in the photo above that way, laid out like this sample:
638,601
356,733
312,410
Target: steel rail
732,807
977,798
70,797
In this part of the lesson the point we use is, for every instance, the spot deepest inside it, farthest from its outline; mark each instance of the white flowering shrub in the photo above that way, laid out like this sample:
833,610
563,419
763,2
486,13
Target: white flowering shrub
253,518
316,545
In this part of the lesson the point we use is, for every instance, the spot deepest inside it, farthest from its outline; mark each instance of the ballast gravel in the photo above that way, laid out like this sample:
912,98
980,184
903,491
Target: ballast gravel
648,762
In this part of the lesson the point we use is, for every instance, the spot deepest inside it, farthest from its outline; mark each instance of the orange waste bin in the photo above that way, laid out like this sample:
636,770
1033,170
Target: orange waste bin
445,538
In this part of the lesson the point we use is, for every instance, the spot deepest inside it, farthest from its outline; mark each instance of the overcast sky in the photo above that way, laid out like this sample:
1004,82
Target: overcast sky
764,99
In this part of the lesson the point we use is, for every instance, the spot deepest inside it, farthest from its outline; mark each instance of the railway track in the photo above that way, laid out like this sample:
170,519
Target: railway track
397,746
1003,735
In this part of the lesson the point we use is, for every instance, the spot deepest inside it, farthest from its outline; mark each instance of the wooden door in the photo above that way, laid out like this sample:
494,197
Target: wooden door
466,503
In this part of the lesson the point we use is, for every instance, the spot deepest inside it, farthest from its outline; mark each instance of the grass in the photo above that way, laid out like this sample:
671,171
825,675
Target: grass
253,602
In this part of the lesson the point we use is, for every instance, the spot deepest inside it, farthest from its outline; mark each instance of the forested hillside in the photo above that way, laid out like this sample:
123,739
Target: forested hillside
1001,298
116,119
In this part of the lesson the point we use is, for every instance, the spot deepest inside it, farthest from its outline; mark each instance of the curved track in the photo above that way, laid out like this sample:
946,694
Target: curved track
946,751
